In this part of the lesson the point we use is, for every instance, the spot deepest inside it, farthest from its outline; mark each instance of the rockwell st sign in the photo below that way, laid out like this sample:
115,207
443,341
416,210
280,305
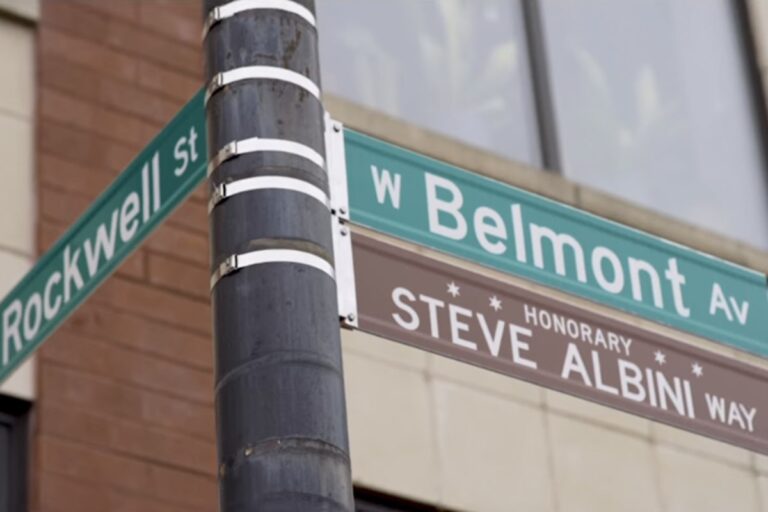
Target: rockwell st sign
157,181
441,308
422,200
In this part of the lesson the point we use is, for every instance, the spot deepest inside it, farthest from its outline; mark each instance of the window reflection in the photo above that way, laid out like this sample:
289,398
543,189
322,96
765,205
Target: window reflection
458,67
652,103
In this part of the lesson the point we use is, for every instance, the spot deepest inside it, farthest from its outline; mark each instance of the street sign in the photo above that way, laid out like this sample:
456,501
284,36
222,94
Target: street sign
146,192
422,200
434,306
419,199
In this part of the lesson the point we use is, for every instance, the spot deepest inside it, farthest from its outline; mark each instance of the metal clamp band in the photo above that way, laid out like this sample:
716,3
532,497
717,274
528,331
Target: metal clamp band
256,144
237,6
238,261
225,190
260,72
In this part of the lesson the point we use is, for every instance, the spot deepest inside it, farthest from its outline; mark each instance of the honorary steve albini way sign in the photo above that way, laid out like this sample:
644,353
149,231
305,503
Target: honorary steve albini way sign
157,181
422,200
441,308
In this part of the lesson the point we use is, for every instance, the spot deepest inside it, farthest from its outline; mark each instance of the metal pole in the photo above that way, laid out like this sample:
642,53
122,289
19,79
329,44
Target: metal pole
280,408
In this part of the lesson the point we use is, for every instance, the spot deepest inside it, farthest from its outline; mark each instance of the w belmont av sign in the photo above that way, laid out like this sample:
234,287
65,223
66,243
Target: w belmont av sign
160,177
438,307
416,198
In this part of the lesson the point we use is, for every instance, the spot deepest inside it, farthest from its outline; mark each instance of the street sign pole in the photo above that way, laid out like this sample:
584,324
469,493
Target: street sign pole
280,407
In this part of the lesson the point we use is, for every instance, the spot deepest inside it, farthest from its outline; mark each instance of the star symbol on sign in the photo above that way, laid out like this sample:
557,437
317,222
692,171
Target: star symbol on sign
495,303
660,357
453,290
697,369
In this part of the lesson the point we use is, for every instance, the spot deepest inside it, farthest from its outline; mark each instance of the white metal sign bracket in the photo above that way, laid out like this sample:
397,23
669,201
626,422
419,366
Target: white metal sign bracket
342,237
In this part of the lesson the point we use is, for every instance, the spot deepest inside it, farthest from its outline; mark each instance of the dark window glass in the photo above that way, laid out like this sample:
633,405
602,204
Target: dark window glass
5,467
13,454
372,501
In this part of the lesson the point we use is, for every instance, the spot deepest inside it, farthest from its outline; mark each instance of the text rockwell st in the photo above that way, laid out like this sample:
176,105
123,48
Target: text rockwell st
157,181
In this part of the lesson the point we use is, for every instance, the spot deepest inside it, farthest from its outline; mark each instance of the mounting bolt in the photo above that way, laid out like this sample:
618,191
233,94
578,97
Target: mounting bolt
351,317
336,127
248,451
343,210
344,231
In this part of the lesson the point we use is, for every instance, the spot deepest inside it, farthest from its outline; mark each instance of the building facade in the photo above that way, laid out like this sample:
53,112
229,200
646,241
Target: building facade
17,230
651,114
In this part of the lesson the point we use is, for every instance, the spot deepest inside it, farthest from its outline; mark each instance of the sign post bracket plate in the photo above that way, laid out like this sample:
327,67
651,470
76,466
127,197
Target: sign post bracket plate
342,237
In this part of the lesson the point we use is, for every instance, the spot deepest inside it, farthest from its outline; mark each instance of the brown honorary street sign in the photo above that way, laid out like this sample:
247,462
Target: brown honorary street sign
441,308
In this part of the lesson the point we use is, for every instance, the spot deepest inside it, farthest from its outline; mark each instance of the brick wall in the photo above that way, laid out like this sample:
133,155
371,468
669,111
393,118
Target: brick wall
124,419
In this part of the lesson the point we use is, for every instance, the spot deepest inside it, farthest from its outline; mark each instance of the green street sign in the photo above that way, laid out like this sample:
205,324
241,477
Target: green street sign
146,192
419,199
422,200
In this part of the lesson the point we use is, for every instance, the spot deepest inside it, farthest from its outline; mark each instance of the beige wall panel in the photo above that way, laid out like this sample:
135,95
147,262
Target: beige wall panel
17,206
21,383
363,344
493,452
17,74
391,428
761,465
691,483
705,446
484,380
762,484
599,470
596,413
13,266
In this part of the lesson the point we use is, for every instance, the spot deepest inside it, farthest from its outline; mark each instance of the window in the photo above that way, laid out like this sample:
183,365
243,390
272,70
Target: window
457,67
650,100
372,501
13,454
